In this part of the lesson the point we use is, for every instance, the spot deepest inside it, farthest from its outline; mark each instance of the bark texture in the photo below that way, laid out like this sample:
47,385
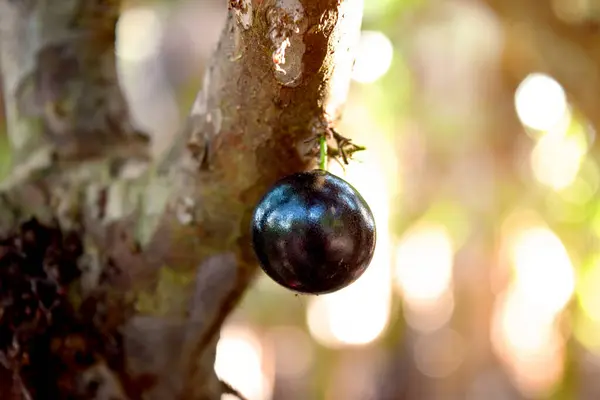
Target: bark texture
166,250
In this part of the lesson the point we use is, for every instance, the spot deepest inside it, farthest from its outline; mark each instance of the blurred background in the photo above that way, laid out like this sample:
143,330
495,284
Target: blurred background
479,120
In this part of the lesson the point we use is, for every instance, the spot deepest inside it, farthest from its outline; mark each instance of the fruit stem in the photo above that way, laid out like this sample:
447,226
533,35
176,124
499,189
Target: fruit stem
323,153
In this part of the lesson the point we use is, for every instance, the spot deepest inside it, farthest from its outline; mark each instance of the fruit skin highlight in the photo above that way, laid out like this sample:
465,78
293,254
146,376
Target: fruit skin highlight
313,233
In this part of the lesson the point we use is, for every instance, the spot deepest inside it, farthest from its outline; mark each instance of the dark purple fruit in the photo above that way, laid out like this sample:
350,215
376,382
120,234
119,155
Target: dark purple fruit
313,233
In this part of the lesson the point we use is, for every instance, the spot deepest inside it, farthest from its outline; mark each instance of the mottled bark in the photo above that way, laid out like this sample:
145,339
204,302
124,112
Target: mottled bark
167,252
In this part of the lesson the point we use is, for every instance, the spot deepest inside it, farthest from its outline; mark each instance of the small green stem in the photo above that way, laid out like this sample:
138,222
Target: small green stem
323,153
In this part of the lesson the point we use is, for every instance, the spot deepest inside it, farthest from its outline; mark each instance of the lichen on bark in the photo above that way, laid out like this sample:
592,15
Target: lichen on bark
167,250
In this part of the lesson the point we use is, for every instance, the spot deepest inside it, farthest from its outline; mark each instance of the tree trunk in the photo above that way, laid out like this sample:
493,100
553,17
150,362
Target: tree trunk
146,259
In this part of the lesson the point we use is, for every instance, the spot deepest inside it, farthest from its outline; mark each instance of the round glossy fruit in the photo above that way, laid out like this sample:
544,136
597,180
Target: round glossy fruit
313,233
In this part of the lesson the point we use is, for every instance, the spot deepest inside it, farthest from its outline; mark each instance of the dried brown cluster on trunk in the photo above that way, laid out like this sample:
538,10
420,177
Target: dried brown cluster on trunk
41,323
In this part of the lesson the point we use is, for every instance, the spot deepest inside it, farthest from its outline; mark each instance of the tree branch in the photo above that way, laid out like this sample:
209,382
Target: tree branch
177,238
248,128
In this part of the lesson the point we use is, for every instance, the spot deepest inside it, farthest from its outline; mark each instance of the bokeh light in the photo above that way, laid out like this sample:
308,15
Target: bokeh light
373,57
423,275
424,263
556,160
353,316
537,252
525,329
541,102
528,342
240,361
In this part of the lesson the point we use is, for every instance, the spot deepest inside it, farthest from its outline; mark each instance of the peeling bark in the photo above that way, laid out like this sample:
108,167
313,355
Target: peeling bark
167,248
